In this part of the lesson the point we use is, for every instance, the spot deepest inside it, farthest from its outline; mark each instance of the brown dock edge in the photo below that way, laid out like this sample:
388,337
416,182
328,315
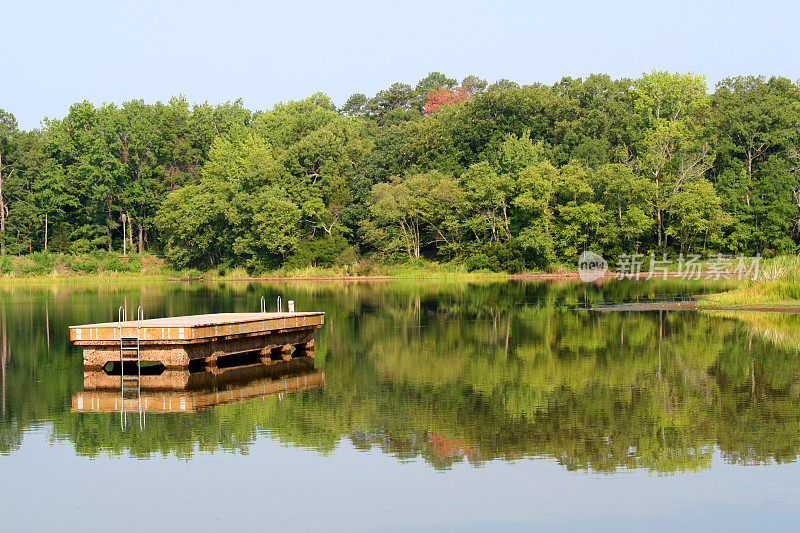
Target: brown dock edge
202,340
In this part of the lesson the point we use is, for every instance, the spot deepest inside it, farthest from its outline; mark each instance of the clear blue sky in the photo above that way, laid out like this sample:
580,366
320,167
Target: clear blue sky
54,54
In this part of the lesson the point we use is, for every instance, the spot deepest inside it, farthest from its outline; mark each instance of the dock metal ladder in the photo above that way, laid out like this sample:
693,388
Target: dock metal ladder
130,351
264,305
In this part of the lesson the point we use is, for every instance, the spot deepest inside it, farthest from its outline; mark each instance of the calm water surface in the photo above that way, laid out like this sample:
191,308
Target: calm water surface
448,405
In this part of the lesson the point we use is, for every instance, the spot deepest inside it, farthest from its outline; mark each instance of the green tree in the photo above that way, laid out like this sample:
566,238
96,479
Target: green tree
628,215
698,217
579,217
534,213
489,197
356,105
670,107
755,124
9,133
238,211
420,210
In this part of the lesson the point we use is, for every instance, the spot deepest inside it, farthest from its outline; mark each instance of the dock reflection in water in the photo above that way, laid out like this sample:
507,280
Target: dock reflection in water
176,390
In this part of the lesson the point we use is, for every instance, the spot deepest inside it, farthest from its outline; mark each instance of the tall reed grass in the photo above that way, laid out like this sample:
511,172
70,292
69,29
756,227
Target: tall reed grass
777,280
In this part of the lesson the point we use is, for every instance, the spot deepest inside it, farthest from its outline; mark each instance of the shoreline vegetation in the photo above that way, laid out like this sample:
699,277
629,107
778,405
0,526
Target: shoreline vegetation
777,284
102,264
777,278
776,287
445,176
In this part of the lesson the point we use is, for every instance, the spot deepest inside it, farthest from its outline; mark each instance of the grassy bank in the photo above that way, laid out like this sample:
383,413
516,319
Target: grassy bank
777,282
98,264
778,279
110,266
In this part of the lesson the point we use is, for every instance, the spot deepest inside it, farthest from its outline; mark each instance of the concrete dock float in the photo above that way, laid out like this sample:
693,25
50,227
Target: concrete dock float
184,341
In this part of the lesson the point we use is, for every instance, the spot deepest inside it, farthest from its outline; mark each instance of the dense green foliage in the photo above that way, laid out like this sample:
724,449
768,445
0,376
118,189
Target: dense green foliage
500,176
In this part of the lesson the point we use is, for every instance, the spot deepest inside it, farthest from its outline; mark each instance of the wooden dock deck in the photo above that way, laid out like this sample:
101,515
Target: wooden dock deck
178,341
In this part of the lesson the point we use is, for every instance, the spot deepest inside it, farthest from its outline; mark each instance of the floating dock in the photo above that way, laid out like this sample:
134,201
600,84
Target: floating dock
199,340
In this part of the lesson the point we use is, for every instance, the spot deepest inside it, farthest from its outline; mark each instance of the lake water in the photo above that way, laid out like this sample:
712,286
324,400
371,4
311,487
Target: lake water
436,404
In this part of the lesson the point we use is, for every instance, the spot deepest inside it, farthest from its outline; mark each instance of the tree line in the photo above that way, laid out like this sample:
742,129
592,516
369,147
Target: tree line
497,176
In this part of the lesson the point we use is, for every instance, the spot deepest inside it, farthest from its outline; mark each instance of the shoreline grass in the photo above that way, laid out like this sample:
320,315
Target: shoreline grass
177,278
109,268
777,283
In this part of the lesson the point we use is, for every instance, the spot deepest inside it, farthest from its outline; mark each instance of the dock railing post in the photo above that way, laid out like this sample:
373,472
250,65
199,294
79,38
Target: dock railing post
280,305
263,305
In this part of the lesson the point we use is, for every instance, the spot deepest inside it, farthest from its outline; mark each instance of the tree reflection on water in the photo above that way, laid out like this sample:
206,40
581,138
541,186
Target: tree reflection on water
447,372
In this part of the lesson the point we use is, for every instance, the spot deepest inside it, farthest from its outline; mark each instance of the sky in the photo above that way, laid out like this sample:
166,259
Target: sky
57,53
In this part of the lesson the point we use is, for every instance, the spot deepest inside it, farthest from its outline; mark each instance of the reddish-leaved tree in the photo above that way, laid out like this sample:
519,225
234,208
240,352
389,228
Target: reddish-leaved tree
444,96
